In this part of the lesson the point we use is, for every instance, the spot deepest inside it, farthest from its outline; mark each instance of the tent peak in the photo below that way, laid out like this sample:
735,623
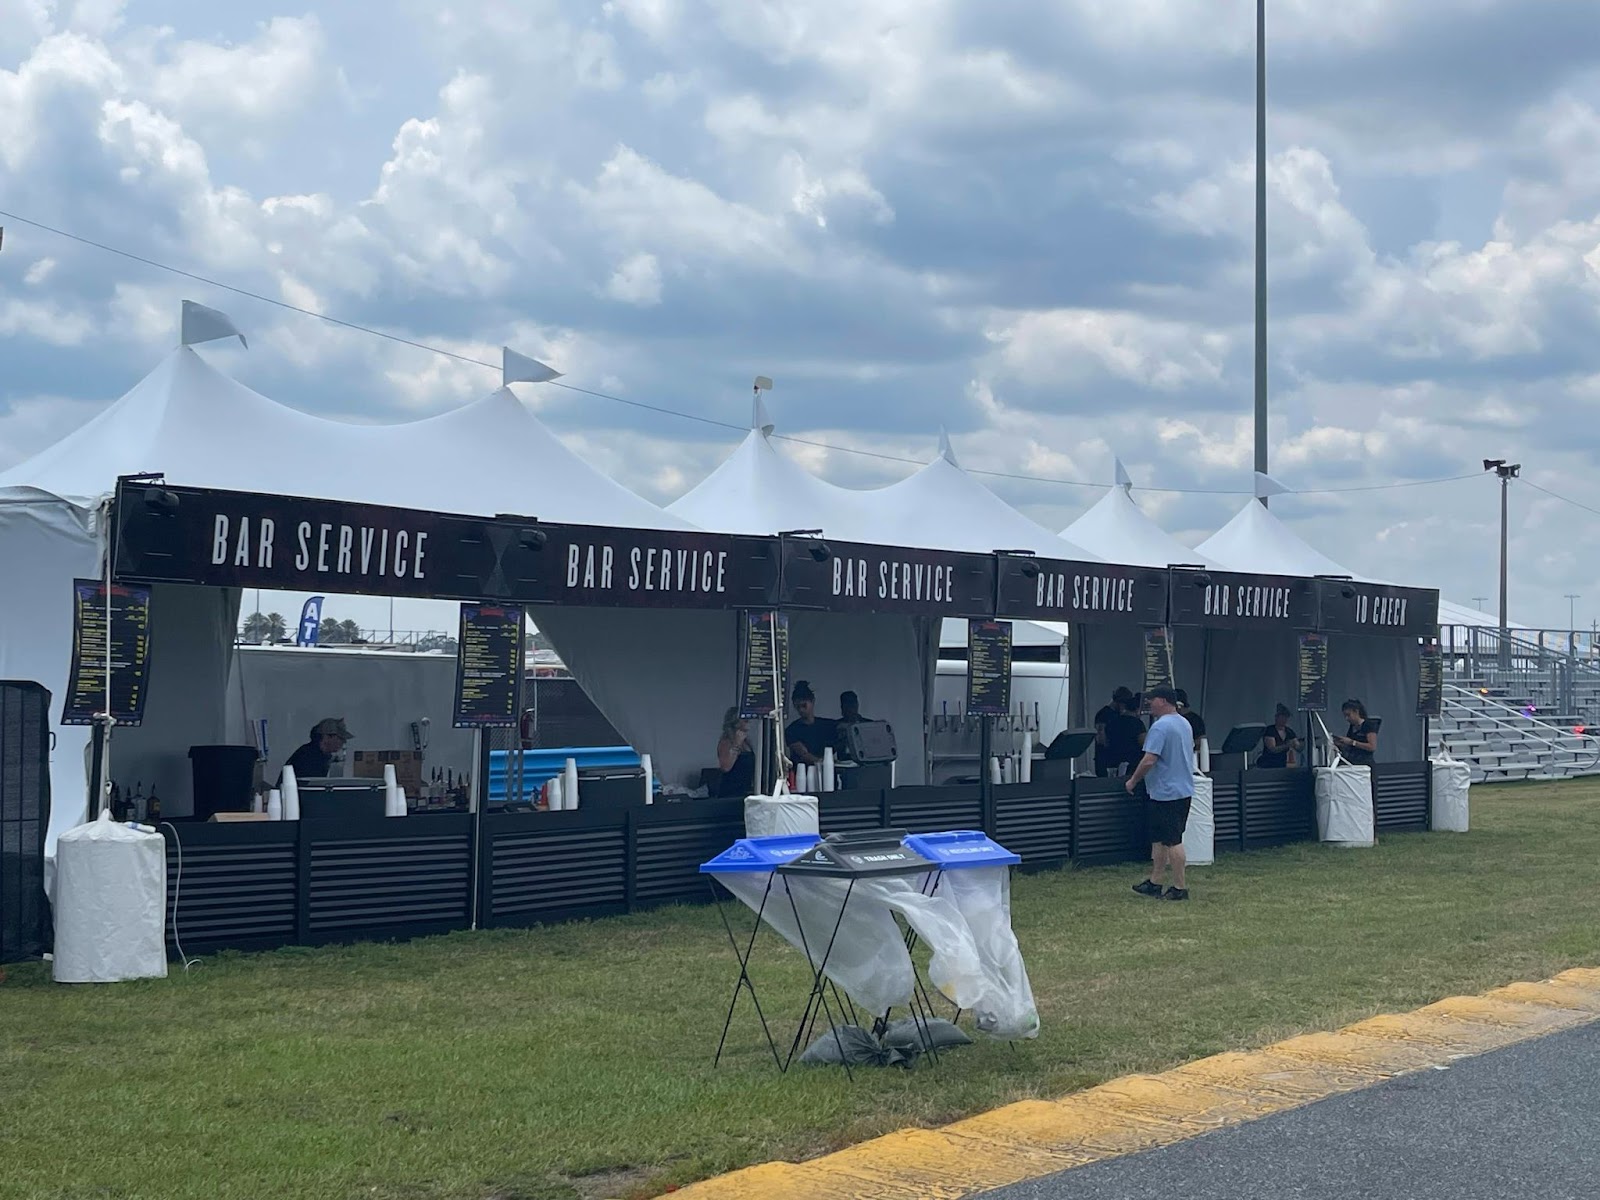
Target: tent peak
946,450
1119,475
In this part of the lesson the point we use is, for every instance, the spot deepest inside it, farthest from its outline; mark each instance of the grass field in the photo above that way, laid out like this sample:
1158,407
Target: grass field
575,1061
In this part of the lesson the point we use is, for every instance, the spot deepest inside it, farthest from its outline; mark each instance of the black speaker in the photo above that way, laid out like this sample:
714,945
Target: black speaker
24,817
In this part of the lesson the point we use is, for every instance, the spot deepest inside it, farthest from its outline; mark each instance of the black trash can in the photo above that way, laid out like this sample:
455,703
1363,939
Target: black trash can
224,779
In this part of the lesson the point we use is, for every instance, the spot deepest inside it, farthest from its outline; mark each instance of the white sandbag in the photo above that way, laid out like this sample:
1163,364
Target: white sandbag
1344,805
1452,780
768,815
110,904
1200,834
869,959
954,965
982,895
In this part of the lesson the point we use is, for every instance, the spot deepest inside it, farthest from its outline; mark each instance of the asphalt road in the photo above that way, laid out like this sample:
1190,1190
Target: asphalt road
1524,1121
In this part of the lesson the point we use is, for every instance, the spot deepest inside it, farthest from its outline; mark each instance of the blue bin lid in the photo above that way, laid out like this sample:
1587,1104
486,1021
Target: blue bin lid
760,853
962,848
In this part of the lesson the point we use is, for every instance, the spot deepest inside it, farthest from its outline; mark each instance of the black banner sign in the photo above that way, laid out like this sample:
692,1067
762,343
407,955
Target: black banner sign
989,668
851,577
1430,680
1157,658
248,540
489,666
763,635
1229,600
1345,606
129,639
1048,589
1311,673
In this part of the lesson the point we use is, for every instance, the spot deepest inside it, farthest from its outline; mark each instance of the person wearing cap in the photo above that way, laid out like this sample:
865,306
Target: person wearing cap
1167,771
1196,722
328,737
808,735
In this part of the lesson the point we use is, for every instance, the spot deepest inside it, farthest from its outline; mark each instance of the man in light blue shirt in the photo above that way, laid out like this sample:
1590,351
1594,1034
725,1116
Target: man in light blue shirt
1167,771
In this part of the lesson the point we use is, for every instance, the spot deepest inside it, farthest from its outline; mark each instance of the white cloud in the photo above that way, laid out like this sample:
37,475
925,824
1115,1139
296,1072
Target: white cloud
1072,347
38,271
637,280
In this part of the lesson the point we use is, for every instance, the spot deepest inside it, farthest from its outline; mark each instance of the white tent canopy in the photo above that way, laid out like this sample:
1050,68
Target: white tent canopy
1256,540
1116,529
203,429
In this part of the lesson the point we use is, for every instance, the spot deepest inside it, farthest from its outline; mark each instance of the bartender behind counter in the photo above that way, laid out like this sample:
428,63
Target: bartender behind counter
808,735
328,737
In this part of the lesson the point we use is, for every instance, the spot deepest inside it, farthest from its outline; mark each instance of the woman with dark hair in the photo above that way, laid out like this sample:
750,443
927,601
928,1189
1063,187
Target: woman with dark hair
1280,743
736,757
1359,747
808,735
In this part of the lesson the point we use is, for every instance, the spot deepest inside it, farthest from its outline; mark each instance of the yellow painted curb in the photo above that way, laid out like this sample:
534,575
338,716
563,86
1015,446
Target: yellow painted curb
1033,1138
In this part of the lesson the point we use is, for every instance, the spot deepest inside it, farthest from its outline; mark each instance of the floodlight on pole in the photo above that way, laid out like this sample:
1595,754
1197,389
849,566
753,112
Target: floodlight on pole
1507,472
1572,599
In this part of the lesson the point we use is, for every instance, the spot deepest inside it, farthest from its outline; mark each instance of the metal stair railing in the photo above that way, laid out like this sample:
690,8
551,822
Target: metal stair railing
1525,734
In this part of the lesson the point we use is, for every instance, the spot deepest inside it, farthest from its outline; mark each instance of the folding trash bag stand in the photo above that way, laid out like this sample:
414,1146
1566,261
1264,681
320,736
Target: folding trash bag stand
751,856
869,854
955,850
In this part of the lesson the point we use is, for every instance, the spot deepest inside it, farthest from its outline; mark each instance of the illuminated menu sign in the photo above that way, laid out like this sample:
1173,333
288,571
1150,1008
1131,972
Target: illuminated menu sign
126,637
1311,673
989,668
489,666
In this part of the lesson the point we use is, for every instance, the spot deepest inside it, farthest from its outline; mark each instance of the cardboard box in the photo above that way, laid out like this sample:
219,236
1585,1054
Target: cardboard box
230,817
369,764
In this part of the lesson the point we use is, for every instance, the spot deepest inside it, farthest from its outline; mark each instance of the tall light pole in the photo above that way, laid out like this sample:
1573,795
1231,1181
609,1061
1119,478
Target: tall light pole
1507,472
1261,239
1572,609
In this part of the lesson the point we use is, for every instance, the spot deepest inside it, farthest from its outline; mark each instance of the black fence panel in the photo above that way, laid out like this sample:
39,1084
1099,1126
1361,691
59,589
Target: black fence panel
1227,811
24,817
1402,795
1279,807
1033,823
387,877
231,887
669,848
1108,824
552,867
936,809
842,812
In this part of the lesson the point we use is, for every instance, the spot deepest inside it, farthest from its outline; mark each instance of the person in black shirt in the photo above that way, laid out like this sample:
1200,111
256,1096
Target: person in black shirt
735,757
1105,757
808,735
849,714
1359,747
1280,741
1196,722
311,761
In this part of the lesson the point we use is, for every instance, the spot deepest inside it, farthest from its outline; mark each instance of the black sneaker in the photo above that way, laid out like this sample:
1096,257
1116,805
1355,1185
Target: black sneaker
1148,888
1173,893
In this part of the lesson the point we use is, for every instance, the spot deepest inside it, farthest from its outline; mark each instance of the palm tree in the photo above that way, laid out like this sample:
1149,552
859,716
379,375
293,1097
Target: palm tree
277,628
256,628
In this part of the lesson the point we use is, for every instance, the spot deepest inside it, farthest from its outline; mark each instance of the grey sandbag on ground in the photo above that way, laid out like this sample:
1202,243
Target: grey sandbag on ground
904,1034
855,1047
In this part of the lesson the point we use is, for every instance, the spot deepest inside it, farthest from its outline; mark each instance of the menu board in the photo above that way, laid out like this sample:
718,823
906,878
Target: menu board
1311,673
129,640
989,668
1157,658
763,639
1430,680
489,666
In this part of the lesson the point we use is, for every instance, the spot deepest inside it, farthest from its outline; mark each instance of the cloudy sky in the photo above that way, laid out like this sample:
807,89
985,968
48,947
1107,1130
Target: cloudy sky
1026,220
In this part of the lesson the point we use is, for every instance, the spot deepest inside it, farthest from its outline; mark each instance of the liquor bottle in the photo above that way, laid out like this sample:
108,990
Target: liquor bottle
152,808
135,802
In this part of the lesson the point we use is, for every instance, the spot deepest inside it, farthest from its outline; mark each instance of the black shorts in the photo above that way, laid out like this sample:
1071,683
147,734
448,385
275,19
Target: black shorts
1168,818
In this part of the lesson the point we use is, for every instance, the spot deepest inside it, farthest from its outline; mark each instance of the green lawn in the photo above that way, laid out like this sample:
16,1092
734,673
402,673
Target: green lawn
575,1061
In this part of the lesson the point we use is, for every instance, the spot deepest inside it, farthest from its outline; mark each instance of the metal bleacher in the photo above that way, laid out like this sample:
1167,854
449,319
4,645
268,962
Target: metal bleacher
1511,706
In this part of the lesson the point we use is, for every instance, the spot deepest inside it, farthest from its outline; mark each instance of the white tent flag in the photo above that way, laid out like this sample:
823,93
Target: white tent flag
760,419
1120,475
1267,486
519,368
946,450
202,324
